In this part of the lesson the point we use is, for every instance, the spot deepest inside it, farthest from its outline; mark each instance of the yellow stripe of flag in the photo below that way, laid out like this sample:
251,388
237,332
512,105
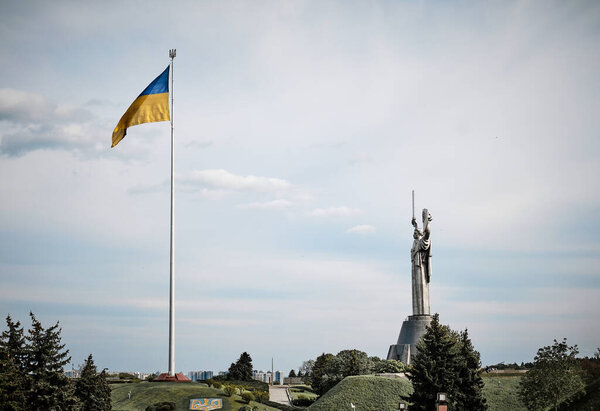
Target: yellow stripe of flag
151,105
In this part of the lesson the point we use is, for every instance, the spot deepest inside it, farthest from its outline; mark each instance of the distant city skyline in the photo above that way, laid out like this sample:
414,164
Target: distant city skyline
300,130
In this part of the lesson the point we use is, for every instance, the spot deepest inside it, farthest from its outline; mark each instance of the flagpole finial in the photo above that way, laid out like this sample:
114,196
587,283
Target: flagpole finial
172,53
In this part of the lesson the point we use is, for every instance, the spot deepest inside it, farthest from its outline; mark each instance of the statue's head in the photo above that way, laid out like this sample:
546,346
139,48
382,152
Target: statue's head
417,234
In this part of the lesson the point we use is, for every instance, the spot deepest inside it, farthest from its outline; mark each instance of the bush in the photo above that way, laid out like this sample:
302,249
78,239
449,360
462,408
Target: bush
161,406
261,396
229,389
247,397
249,385
303,401
217,385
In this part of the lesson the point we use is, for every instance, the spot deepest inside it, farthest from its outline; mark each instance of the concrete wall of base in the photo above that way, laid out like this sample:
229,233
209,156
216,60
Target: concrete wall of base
411,332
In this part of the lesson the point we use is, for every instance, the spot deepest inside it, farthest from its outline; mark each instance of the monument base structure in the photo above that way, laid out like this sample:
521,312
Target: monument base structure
413,328
165,377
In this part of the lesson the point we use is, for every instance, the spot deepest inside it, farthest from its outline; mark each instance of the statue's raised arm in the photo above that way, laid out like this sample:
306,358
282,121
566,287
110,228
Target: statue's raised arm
426,226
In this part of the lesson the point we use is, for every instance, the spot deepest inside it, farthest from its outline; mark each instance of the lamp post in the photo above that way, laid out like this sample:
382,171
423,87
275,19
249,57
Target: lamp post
442,401
402,406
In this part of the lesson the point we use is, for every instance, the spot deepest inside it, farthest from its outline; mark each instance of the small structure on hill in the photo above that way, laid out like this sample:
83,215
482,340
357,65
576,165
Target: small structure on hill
165,377
414,327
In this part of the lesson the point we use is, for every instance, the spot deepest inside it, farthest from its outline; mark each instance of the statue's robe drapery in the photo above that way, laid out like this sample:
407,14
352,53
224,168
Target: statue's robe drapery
421,274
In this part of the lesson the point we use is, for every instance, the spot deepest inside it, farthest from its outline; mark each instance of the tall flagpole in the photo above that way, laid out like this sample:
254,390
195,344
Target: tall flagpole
172,54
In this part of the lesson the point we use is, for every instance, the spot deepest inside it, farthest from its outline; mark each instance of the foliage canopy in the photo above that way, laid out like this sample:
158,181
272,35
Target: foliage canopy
241,369
446,362
554,378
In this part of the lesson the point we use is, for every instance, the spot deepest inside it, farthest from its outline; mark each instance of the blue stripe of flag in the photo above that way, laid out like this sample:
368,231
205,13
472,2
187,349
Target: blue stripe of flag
159,85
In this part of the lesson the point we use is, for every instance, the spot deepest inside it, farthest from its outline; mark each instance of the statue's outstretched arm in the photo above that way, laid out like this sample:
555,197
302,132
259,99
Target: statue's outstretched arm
427,228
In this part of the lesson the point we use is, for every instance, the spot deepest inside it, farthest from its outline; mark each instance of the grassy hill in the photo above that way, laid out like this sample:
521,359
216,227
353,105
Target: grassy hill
501,393
144,394
366,392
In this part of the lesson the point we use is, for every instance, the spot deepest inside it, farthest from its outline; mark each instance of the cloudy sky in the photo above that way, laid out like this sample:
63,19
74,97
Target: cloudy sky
301,128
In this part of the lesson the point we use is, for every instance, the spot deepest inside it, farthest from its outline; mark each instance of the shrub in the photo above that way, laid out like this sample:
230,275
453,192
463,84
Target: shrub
247,397
302,401
261,396
229,389
161,406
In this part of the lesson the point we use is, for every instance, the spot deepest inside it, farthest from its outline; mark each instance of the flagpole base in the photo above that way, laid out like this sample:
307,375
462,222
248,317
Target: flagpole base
165,377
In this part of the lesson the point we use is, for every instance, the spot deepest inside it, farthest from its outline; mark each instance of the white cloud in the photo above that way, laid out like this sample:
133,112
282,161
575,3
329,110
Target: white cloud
220,178
335,212
34,123
17,105
361,229
280,204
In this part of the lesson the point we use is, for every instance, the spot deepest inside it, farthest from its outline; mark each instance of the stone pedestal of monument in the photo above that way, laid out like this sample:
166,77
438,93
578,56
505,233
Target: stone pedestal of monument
413,328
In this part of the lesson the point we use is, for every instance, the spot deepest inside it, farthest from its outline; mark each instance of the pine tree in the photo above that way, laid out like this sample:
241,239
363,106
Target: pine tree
50,389
245,367
242,369
469,395
12,384
13,342
434,366
91,389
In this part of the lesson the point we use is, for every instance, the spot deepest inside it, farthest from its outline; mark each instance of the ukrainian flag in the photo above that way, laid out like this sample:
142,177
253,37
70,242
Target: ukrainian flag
150,106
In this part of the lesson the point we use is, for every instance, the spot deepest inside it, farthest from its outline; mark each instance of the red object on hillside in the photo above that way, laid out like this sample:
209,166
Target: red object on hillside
179,377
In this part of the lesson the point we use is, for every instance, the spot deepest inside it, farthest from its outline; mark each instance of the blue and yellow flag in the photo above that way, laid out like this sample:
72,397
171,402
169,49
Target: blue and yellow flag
150,106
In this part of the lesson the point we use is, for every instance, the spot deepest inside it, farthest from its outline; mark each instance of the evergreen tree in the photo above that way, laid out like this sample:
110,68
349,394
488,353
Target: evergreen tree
292,374
446,362
470,384
13,342
49,389
91,389
433,368
12,384
242,369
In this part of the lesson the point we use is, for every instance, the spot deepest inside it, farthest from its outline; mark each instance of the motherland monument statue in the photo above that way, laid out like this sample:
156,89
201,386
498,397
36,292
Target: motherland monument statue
414,327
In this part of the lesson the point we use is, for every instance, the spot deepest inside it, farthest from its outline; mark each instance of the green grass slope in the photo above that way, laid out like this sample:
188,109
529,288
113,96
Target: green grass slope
501,393
144,394
366,392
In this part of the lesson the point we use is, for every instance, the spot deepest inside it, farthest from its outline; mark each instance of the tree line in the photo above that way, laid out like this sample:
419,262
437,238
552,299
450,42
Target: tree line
32,377
446,362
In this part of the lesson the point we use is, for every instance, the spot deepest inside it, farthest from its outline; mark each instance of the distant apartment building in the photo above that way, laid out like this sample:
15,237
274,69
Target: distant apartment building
73,373
200,375
142,375
268,376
